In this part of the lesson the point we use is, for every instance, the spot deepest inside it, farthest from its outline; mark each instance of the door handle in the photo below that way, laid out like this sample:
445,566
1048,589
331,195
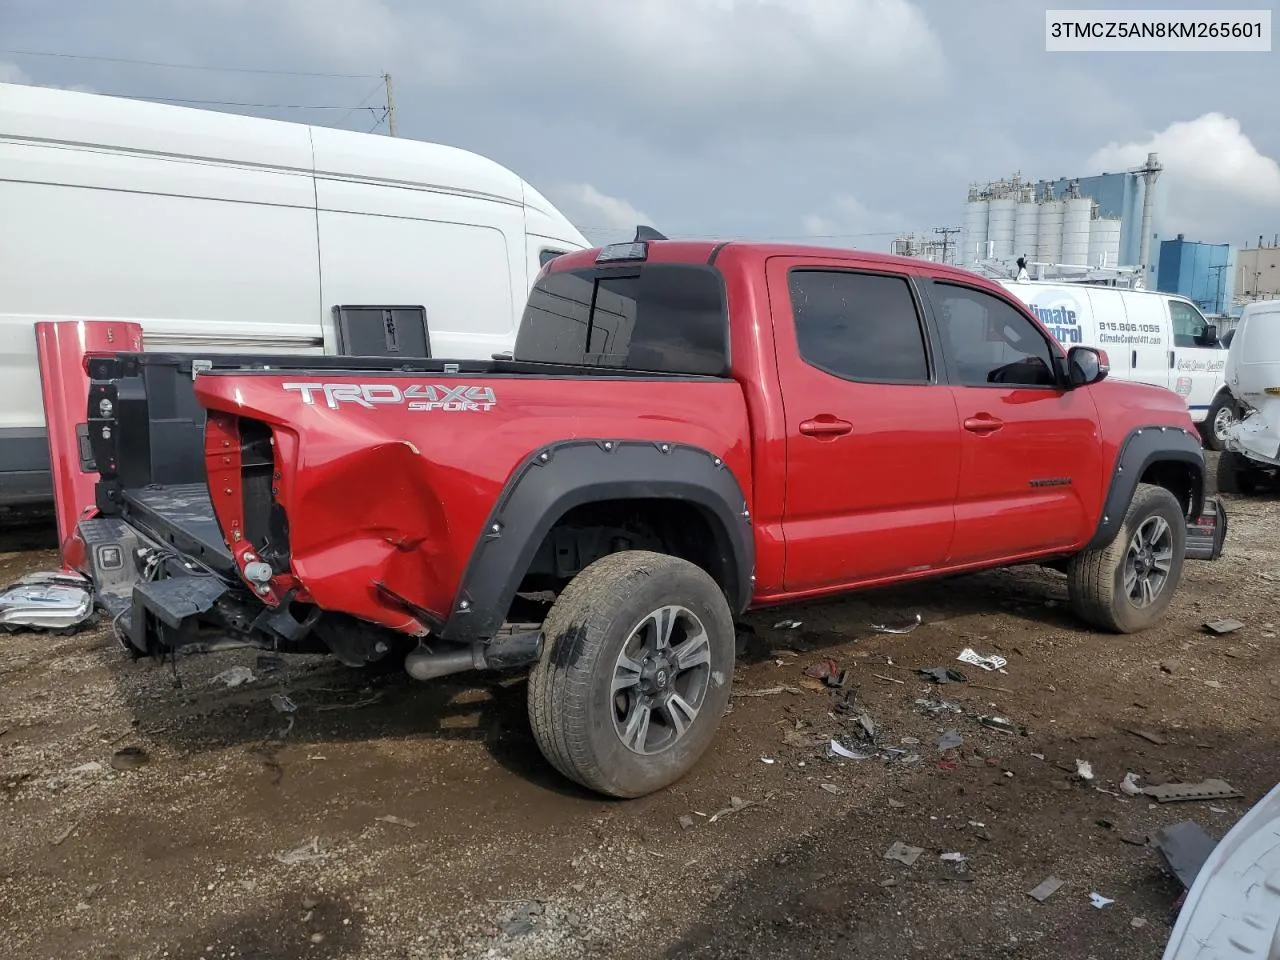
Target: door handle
825,425
983,423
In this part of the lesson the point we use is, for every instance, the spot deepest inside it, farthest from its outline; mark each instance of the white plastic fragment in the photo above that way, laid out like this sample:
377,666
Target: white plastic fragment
1099,901
1129,785
838,749
234,677
1084,769
993,662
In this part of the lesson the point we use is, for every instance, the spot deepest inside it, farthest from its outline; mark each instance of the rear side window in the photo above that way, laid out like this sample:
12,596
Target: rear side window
858,326
665,318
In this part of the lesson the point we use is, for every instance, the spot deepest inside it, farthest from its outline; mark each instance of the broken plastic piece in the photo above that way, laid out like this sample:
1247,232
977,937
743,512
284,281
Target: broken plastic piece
950,740
838,749
1129,785
903,853
1185,847
1002,724
46,601
1223,626
234,677
993,662
1046,889
788,625
1099,901
898,628
282,703
954,857
943,675
822,669
1208,790
1084,769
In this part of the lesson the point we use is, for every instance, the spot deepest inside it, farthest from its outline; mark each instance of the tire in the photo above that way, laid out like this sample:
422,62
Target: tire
612,605
1097,578
1224,407
1235,474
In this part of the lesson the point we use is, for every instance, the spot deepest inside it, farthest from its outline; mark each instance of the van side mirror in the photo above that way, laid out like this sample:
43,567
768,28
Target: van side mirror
1087,365
1210,335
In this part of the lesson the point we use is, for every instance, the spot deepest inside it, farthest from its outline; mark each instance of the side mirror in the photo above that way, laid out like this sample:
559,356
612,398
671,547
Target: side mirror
1210,336
1087,365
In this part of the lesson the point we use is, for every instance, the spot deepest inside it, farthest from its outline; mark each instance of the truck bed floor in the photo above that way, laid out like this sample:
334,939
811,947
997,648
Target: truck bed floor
182,515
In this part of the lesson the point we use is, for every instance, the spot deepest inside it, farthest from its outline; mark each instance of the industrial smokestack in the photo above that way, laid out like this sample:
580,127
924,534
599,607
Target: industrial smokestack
1150,173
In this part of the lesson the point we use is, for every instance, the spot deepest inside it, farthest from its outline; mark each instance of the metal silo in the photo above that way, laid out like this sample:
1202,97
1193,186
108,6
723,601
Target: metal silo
973,241
1104,243
1001,227
1026,230
1049,236
1075,231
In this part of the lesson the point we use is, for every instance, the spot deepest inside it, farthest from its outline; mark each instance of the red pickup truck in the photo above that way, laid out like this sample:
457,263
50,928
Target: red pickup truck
684,431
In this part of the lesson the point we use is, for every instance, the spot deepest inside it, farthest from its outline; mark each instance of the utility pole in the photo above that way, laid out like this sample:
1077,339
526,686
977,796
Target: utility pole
391,106
1218,305
946,233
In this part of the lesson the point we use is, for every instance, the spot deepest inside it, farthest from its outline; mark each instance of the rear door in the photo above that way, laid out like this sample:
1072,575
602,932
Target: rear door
1146,327
1031,459
873,446
1197,365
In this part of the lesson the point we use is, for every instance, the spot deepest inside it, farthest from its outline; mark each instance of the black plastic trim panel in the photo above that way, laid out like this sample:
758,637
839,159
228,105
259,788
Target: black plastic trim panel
558,478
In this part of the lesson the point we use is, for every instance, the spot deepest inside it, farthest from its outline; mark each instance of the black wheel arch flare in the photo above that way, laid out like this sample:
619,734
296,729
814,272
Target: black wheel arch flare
554,479
1143,447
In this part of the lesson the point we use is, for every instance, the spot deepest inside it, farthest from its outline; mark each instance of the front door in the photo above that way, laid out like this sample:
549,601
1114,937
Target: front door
1031,468
873,446
1196,364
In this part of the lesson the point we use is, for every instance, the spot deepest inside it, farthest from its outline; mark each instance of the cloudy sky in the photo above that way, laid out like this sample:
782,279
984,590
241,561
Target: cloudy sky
840,120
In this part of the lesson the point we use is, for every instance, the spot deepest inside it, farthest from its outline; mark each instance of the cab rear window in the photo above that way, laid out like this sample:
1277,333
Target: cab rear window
661,318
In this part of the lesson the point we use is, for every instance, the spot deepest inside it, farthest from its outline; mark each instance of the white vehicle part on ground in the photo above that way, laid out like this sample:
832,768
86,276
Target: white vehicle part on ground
1233,908
1253,376
1256,436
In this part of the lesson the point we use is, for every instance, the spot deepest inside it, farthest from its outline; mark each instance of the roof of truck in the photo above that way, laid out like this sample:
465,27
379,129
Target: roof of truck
69,117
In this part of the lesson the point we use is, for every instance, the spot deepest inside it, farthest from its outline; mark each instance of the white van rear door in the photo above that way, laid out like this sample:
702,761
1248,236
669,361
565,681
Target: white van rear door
1196,367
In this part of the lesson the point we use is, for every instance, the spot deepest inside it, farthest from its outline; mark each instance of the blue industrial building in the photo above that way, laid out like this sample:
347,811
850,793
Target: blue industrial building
1118,195
1202,272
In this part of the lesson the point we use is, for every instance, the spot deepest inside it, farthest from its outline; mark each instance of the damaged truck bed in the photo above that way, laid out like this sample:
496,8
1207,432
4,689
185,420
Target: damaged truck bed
685,430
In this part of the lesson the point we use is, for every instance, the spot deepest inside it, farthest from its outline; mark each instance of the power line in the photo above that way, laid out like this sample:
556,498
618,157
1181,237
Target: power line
188,66
363,100
377,123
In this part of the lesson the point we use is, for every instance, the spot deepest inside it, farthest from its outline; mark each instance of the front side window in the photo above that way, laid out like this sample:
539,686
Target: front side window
859,326
1189,325
988,342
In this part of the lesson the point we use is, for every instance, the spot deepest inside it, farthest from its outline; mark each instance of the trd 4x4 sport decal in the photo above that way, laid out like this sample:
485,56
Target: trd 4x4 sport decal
419,396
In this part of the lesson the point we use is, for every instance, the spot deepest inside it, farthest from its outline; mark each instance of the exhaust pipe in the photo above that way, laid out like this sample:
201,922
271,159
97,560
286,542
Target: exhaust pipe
500,653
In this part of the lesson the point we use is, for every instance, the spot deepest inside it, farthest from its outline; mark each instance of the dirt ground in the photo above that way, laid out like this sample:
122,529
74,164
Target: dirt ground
389,819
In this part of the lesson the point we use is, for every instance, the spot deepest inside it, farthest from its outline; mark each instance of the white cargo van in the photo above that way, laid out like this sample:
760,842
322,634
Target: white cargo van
221,233
1156,338
1252,451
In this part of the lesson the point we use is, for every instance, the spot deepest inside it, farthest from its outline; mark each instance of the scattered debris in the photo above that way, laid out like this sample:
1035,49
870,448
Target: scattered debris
864,726
93,766
822,670
68,831
832,788
954,857
943,675
1169,666
283,704
970,656
888,679
1002,724
53,602
234,677
767,692
1133,838
902,853
129,758
1223,626
736,804
897,804
936,707
1038,756
686,822
521,921
1150,737
898,628
303,854
1046,889
768,760
1084,770
1137,923
1099,901
950,740
837,749
397,821
1129,785
1184,847
1208,790
788,625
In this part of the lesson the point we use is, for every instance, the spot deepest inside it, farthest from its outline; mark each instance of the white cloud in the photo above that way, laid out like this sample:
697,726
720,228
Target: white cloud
847,220
1214,174
598,215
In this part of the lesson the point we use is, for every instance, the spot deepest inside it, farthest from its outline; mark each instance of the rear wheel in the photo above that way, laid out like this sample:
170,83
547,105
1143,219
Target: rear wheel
1126,586
1222,413
635,675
